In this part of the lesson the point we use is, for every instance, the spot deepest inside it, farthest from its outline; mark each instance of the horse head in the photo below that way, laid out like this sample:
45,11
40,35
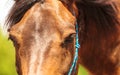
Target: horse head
43,36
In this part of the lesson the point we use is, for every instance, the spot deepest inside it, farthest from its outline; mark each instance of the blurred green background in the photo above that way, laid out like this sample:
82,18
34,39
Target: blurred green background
7,57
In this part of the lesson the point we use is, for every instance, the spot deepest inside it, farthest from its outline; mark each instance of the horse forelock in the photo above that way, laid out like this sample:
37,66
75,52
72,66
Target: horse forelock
20,7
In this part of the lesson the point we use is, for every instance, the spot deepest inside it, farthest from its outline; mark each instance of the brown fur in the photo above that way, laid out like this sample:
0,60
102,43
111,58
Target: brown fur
52,33
99,32
99,36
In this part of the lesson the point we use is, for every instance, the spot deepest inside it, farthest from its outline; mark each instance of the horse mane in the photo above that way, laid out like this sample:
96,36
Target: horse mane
103,13
98,34
18,10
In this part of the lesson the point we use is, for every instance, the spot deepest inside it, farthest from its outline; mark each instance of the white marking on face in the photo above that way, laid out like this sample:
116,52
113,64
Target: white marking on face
38,47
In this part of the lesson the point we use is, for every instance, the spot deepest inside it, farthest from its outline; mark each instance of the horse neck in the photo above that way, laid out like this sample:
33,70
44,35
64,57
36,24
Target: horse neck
99,51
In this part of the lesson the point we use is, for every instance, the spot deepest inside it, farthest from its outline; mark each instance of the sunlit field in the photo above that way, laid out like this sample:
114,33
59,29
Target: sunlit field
7,57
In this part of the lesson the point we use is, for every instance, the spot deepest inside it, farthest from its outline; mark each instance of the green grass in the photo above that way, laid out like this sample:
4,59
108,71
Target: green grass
7,58
82,71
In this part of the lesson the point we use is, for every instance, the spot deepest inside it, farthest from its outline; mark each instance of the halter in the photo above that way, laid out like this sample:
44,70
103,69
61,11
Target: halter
77,46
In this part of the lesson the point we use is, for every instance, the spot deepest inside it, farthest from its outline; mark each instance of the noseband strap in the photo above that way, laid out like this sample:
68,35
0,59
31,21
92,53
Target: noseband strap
77,46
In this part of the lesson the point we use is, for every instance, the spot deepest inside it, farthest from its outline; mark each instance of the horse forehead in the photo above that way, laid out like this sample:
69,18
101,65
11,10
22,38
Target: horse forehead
40,15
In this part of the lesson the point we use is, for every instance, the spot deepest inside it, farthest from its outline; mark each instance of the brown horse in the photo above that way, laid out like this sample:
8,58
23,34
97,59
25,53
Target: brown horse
43,33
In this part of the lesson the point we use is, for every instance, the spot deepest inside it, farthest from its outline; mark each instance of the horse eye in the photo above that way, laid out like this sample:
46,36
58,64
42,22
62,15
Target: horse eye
70,38
13,39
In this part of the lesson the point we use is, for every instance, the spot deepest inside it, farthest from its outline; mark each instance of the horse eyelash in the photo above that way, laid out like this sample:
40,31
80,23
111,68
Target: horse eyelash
70,38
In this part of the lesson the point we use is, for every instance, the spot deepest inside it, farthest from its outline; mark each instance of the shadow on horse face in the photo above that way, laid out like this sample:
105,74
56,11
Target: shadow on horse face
44,40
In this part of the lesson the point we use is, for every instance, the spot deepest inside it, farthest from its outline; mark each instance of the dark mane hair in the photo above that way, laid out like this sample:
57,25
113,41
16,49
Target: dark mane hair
103,13
18,10
21,6
99,35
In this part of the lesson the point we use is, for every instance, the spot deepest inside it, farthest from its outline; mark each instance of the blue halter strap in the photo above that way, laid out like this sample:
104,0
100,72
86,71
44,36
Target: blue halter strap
77,46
